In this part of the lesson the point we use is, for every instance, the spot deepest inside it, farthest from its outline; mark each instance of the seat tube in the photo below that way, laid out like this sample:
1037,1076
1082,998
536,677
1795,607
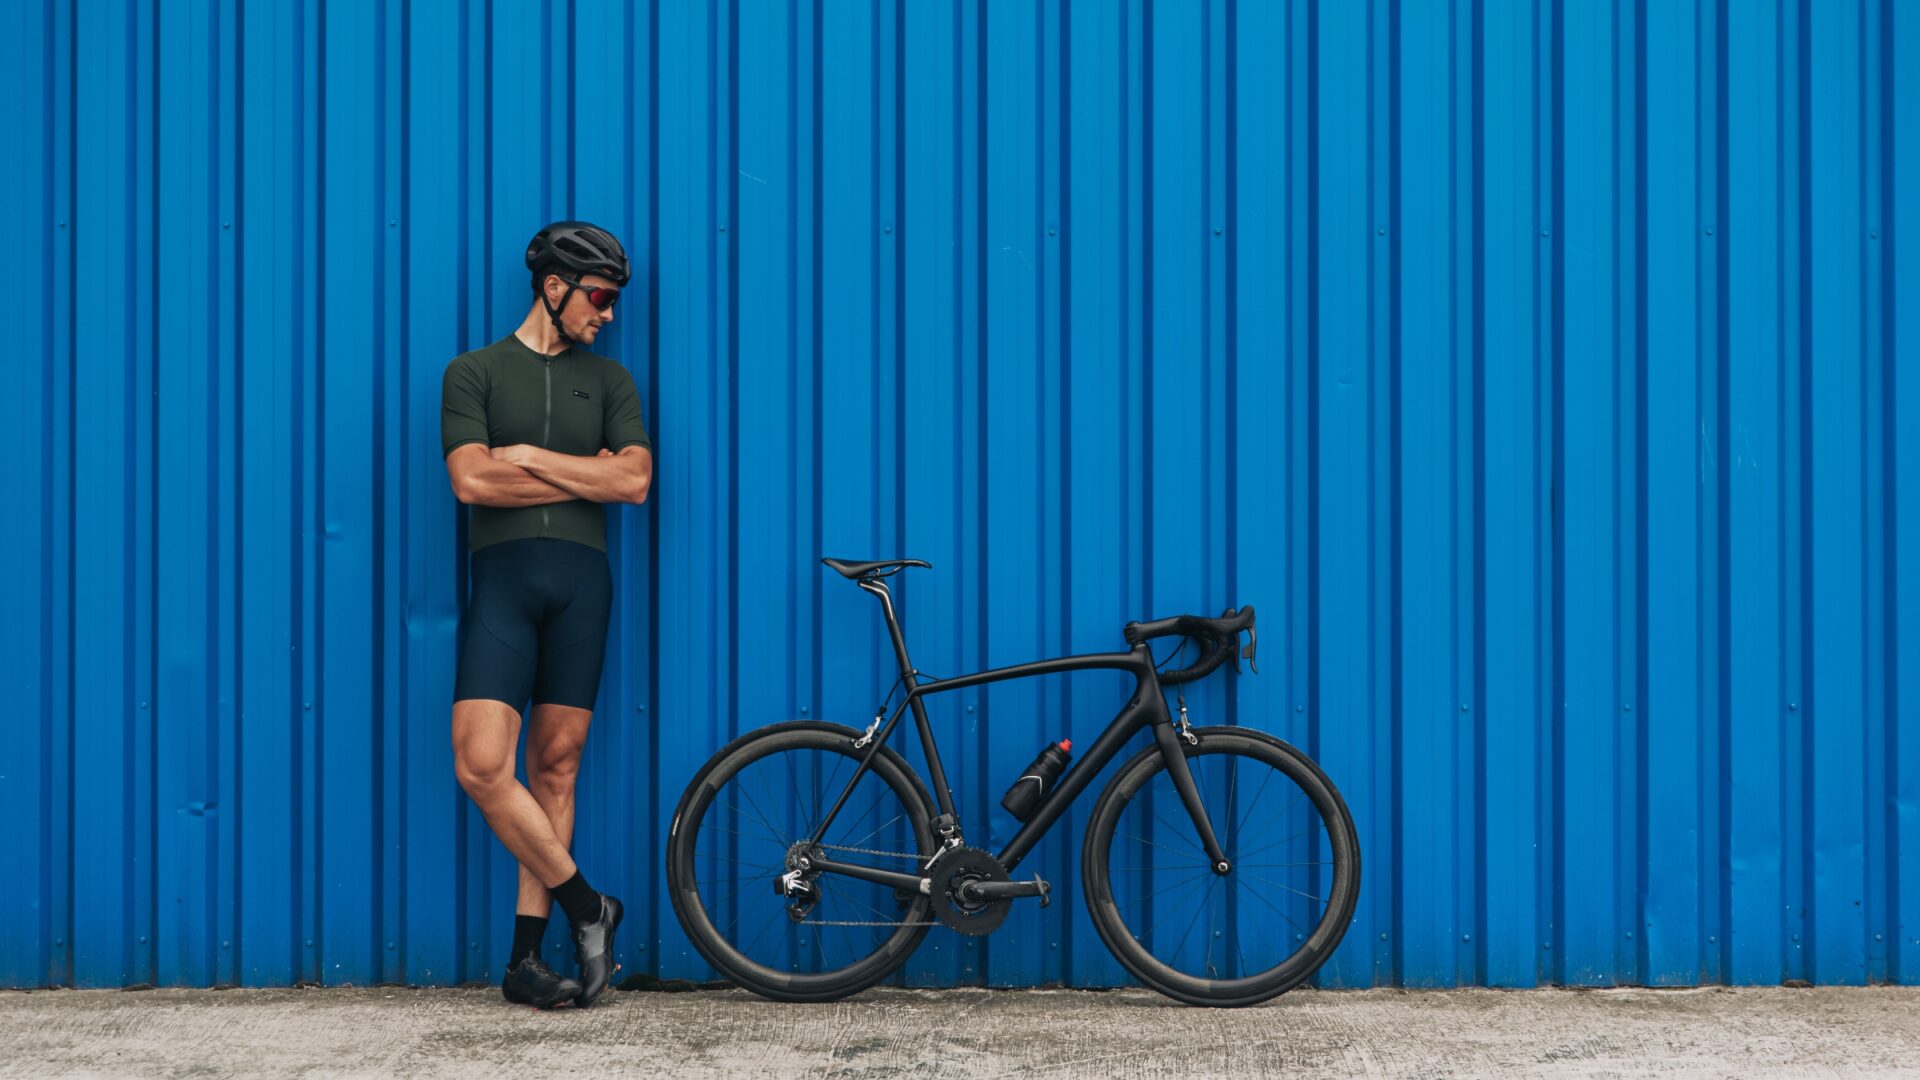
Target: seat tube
938,774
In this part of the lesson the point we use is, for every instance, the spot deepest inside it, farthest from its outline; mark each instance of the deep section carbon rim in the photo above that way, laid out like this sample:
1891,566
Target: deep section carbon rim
1232,938
743,825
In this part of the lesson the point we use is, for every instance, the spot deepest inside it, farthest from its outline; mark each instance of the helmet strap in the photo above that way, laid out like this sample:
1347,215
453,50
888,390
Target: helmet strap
554,312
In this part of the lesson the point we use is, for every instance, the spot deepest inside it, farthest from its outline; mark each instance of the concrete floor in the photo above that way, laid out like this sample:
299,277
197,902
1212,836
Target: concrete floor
1831,1031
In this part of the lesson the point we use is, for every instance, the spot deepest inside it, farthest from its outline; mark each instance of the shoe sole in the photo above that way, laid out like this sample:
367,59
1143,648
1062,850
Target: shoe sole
559,1000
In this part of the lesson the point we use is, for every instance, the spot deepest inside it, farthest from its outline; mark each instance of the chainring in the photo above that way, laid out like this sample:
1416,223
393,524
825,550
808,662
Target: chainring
954,869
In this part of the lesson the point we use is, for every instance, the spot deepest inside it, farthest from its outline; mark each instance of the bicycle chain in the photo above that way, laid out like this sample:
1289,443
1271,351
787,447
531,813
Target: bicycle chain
871,851
850,922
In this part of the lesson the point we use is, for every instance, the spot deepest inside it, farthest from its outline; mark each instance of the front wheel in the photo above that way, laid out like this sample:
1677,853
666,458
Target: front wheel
1270,921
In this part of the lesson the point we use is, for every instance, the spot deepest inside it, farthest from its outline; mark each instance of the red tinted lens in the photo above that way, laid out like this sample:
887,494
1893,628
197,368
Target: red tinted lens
602,298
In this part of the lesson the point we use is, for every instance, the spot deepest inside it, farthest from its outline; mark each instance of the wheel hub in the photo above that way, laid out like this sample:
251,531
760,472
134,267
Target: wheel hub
797,883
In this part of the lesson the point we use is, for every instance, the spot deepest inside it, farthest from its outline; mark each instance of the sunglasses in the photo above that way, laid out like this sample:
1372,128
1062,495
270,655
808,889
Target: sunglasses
601,297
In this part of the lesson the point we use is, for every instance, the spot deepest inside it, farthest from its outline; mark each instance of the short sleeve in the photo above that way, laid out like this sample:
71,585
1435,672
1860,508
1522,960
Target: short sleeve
463,404
624,426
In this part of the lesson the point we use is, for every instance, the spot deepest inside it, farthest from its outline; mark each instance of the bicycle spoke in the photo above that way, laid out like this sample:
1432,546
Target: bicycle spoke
768,876
1289,888
1199,909
747,790
1188,880
744,882
821,808
738,862
782,844
1277,911
859,821
1241,825
876,830
1280,841
763,933
1162,847
877,913
771,827
1267,820
1233,783
1176,832
793,780
1212,972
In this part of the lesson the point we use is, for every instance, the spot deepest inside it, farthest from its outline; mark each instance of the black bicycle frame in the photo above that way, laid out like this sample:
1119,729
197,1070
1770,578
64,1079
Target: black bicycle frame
1146,709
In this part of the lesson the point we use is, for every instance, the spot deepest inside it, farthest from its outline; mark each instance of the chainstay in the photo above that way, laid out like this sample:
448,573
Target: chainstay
868,922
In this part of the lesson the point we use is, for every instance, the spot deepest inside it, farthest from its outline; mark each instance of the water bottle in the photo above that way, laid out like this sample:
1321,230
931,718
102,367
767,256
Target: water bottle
1037,779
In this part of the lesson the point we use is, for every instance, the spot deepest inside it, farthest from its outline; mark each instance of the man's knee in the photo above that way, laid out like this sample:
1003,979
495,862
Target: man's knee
553,749
553,768
484,737
482,774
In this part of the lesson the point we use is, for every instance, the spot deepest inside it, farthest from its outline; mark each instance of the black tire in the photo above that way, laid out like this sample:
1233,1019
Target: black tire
767,765
1163,888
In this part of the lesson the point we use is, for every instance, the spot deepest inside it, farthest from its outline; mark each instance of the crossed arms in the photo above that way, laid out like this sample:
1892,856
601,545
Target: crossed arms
524,475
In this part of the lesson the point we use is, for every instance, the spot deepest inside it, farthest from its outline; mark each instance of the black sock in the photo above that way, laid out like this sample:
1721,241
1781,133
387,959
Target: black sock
578,899
527,932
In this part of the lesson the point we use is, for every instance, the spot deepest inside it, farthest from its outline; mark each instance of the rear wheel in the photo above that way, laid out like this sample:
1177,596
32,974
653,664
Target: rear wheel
1230,939
743,823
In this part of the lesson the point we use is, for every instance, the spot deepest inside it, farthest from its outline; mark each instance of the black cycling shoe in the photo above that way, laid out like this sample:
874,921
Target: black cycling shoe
532,982
593,945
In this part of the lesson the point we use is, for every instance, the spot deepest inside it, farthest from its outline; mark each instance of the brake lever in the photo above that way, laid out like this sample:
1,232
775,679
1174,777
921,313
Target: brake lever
1253,642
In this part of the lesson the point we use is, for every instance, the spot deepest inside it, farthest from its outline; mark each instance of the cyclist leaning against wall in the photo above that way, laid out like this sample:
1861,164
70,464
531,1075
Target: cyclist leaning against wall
538,434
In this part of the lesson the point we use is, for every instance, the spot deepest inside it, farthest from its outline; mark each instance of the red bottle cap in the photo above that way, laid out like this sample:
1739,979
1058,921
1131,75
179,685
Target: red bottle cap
1066,744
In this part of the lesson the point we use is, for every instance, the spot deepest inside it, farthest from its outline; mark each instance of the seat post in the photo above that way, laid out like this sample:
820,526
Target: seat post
879,589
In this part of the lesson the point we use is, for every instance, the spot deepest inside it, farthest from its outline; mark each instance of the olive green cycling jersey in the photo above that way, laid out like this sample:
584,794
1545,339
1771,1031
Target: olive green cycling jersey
574,403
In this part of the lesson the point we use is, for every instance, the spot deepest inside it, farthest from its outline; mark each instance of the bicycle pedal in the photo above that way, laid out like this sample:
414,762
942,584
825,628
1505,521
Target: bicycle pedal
1046,891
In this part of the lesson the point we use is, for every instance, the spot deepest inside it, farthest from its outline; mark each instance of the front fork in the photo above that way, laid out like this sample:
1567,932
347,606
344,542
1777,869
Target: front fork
1172,750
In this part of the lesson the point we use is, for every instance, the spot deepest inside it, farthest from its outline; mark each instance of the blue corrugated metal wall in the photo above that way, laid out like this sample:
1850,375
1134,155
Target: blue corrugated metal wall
1537,371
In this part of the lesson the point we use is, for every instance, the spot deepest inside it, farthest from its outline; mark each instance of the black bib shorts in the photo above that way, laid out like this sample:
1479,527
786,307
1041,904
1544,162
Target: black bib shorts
536,625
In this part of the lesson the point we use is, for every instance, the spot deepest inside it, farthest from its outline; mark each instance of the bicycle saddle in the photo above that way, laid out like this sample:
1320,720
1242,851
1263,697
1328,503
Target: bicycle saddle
880,568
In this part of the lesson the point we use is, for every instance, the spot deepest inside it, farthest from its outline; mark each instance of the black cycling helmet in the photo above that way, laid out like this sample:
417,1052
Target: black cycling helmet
576,248
572,249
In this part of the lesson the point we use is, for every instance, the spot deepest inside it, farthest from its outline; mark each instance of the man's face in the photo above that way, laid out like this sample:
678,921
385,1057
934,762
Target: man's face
581,320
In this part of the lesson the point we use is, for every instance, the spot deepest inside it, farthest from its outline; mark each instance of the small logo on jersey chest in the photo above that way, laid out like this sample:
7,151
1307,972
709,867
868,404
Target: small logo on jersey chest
583,394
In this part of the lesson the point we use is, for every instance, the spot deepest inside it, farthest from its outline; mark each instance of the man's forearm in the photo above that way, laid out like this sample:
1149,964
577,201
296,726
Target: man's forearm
605,479
498,483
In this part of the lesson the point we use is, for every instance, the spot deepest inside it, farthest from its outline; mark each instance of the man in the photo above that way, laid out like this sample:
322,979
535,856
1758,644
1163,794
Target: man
538,432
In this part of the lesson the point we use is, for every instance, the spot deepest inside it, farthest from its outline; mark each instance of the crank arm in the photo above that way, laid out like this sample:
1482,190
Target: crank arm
1008,890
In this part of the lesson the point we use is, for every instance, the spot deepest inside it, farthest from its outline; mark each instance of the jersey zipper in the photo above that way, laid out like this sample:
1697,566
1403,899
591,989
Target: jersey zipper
546,432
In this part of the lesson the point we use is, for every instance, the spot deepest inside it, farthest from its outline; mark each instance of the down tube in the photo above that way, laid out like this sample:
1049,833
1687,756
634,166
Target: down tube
1145,710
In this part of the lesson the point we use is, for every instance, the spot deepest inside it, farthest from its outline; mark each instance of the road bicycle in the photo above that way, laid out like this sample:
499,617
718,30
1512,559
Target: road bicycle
807,860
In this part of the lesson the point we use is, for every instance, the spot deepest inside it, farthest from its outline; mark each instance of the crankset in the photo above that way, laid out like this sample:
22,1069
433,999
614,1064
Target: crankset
971,891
